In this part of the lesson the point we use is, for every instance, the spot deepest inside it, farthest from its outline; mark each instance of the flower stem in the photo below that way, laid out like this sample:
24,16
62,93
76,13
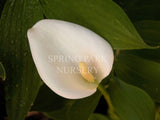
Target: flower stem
117,52
111,112
106,96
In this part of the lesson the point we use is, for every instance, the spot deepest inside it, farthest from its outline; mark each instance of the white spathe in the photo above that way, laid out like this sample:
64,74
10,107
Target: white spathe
57,48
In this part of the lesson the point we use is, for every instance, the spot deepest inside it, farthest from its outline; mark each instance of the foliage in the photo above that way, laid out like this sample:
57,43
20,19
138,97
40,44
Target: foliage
137,57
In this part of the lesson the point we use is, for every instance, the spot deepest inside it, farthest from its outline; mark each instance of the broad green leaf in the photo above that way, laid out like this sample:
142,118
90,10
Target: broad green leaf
149,31
102,16
130,102
47,100
65,109
97,116
2,72
82,108
144,73
23,82
149,54
141,9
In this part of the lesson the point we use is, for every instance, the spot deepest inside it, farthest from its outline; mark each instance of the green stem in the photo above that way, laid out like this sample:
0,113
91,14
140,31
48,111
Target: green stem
117,52
106,96
111,112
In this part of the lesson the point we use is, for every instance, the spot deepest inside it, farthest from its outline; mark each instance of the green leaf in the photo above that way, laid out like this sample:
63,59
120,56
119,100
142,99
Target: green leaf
23,82
150,31
2,72
60,108
97,116
153,55
102,16
141,9
82,108
47,100
144,73
130,102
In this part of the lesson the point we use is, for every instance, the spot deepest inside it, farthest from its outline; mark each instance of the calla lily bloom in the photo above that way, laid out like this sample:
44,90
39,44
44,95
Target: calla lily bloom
69,57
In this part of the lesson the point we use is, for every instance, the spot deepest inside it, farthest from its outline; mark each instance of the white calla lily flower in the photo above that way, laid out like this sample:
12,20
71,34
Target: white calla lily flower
69,57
